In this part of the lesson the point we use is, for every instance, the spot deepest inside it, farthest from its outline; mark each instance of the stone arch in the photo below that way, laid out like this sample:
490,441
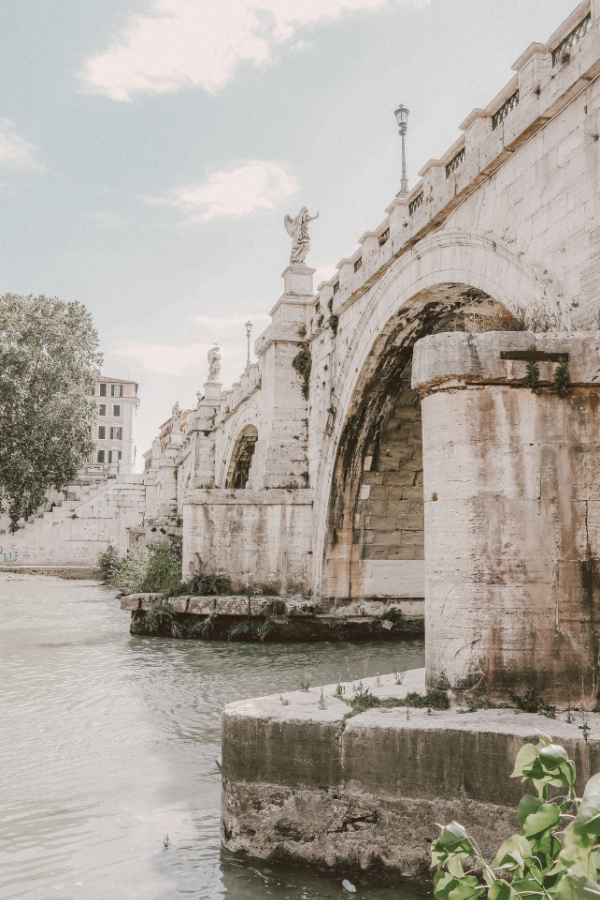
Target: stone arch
240,463
441,277
247,414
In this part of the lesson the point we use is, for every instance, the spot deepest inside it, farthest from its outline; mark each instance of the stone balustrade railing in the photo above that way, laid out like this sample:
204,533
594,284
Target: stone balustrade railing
548,76
239,392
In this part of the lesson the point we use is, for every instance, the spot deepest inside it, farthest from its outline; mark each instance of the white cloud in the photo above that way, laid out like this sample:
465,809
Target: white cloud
233,192
15,151
165,359
216,322
199,43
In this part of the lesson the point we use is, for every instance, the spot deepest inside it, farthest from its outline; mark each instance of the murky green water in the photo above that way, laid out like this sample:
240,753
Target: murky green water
108,745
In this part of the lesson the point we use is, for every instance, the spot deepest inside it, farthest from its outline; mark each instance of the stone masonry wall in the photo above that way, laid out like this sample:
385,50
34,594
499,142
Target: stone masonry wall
74,533
392,513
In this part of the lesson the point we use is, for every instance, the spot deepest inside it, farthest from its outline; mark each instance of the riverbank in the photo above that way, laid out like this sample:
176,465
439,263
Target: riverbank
70,573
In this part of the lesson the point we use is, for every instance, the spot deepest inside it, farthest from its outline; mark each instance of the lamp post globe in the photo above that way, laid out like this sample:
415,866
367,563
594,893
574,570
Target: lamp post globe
402,114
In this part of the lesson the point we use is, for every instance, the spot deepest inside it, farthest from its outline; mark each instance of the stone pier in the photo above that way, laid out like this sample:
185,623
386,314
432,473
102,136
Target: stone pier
512,515
302,784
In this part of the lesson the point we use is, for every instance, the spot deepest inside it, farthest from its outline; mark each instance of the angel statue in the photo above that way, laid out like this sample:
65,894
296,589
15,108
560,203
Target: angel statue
214,363
298,231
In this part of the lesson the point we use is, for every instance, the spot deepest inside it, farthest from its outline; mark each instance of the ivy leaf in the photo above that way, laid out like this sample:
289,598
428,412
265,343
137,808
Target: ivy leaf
587,820
545,739
455,868
513,852
452,842
577,887
525,757
544,820
501,890
446,887
552,756
576,853
527,806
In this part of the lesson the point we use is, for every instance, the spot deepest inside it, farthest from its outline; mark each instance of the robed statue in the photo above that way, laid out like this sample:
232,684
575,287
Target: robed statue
214,363
298,231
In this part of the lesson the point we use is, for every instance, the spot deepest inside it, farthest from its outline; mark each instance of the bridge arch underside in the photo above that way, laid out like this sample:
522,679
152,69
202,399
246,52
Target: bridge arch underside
375,537
238,473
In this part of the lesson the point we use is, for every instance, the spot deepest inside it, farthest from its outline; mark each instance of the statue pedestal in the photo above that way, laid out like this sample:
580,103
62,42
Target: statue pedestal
212,392
298,280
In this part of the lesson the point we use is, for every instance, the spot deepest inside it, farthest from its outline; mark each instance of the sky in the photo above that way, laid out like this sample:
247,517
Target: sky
149,150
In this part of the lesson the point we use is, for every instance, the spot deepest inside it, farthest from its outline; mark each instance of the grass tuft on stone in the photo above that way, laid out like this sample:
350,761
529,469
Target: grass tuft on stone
365,700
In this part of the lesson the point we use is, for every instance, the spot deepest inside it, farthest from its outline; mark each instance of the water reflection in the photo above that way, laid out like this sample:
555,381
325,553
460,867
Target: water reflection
110,741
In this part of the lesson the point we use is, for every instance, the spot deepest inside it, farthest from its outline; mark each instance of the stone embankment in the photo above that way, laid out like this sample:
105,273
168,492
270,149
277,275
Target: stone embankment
304,783
262,618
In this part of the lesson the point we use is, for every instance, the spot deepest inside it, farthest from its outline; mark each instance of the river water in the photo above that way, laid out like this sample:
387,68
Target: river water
109,744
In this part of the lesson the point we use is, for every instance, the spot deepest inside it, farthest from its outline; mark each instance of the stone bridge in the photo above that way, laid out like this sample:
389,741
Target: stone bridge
320,470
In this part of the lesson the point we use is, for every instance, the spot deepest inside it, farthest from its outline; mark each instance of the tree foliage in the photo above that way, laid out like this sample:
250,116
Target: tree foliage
48,357
537,862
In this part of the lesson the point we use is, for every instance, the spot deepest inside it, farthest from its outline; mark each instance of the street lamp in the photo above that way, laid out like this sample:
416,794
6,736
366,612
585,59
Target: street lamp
248,330
402,119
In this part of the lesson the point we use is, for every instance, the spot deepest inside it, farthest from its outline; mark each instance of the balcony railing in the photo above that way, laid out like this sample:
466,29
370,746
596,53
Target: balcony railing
416,203
571,40
505,110
455,162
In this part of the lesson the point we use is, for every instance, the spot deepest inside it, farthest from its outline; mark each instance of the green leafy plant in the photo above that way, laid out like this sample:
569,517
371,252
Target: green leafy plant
531,702
163,570
364,700
160,613
131,574
535,863
201,584
476,705
302,363
562,378
532,379
108,564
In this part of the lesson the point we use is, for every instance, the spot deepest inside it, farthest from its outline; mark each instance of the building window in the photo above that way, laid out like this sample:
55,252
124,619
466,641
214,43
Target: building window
116,434
116,410
100,456
103,390
116,390
101,432
114,456
102,409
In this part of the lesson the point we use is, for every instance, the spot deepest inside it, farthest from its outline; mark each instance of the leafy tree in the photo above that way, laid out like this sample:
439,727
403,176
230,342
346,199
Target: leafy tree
535,863
48,357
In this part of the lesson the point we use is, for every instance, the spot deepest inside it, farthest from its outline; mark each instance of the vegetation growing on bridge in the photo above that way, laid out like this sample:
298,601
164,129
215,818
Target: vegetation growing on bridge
302,363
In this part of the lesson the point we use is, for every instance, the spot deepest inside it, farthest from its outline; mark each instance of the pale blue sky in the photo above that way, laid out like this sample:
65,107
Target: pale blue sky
149,150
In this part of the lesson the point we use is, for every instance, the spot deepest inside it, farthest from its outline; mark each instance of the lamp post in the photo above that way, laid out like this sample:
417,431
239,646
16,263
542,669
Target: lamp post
248,330
402,119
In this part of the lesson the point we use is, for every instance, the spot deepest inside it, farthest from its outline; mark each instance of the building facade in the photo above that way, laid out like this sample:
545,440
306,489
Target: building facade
117,403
